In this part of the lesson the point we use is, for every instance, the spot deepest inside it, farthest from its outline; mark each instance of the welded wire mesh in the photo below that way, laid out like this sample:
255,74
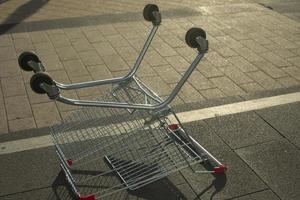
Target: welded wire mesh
113,149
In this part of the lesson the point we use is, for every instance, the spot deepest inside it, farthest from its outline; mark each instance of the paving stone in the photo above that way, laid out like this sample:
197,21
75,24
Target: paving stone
254,46
251,87
213,93
230,42
273,58
23,44
199,81
293,71
270,69
104,49
7,53
84,91
261,195
42,116
45,48
51,62
187,53
226,51
264,80
73,33
284,42
227,86
235,74
115,63
276,163
154,59
242,130
39,37
189,94
208,70
165,50
5,40
81,44
144,70
66,53
174,41
17,107
29,168
259,38
3,124
99,72
242,64
285,120
283,53
288,81
216,59
127,53
117,41
239,179
21,124
248,54
75,68
90,58
157,85
295,61
168,73
94,36
137,43
13,86
178,62
296,51
59,40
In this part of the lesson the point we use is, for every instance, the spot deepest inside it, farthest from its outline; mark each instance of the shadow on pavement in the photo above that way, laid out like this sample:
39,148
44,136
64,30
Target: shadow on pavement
21,13
218,184
159,190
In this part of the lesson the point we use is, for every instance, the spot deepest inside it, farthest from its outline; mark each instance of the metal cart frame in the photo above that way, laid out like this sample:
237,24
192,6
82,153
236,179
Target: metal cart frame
130,127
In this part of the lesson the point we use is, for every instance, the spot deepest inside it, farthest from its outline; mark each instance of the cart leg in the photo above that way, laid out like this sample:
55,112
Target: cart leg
218,167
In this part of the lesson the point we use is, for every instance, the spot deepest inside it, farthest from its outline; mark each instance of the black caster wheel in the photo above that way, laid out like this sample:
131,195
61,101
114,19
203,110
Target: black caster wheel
25,57
148,12
192,34
37,79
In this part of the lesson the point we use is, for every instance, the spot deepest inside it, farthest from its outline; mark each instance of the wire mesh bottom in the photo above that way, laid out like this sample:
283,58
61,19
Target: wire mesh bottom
114,149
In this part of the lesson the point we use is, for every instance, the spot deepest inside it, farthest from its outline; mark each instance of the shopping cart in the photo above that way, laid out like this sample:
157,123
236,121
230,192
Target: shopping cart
129,136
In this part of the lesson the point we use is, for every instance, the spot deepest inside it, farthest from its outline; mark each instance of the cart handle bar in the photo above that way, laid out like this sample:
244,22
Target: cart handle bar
54,94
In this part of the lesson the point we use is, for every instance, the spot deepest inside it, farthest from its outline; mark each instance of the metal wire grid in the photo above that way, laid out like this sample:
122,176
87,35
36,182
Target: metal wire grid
147,155
86,130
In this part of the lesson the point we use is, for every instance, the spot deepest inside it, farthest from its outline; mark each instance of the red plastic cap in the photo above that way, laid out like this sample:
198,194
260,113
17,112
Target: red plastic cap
173,126
70,162
220,169
88,197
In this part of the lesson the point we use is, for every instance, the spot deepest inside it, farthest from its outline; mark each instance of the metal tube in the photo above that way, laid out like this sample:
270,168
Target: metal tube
137,106
113,80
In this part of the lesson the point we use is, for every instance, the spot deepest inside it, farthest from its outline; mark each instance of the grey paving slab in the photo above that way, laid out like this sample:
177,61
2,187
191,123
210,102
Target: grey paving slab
239,179
240,130
263,195
284,119
25,171
277,164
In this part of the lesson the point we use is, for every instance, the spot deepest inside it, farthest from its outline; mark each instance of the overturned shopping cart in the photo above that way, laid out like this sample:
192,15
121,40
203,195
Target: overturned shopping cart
129,136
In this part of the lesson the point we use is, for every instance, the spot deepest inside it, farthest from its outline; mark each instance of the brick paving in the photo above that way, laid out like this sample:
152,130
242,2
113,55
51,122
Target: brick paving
251,49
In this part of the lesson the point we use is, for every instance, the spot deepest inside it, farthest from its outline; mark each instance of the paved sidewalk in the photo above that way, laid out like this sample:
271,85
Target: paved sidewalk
260,148
252,49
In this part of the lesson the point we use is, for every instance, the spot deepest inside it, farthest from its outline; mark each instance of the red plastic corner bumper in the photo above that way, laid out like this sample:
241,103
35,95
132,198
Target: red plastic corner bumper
173,127
220,169
69,162
88,197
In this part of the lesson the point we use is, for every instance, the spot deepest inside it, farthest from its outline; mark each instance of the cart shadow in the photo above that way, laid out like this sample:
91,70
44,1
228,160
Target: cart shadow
162,189
216,185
